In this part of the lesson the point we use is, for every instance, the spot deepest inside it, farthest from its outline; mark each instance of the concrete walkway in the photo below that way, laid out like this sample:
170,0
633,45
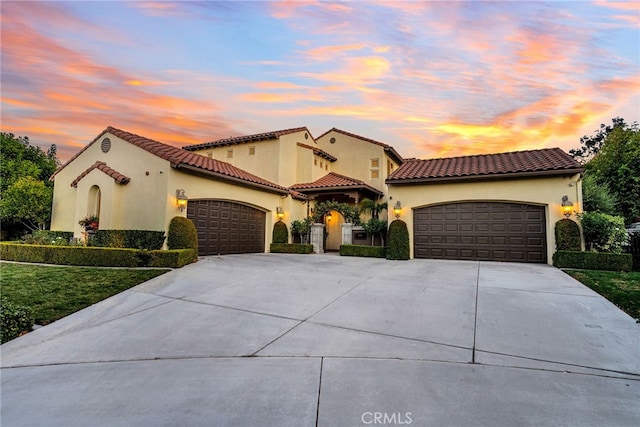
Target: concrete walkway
311,340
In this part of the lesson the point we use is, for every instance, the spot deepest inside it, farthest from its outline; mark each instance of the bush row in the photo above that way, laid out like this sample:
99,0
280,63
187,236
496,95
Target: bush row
14,319
593,260
133,239
363,250
48,237
291,248
96,256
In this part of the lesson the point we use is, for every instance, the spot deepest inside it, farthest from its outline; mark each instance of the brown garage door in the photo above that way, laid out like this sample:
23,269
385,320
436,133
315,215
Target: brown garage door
226,227
481,231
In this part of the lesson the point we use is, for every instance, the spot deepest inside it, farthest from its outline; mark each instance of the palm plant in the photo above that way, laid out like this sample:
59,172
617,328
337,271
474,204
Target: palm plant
373,207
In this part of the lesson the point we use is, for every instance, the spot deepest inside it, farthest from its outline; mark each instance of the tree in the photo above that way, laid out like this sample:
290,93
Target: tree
20,159
591,145
27,201
597,197
372,207
612,158
376,227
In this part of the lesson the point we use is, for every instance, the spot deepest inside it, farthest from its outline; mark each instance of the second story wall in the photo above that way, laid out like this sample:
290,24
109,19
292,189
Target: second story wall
357,158
259,158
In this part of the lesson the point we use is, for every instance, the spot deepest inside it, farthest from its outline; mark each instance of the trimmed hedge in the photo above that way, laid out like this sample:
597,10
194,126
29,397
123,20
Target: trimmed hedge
14,319
291,248
95,256
48,237
398,241
567,235
133,239
593,260
363,251
280,233
182,234
175,258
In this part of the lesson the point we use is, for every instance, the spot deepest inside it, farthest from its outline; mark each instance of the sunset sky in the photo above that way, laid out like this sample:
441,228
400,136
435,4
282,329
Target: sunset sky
431,79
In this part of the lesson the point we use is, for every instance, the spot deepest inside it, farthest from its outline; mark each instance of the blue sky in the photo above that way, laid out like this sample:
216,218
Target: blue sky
432,79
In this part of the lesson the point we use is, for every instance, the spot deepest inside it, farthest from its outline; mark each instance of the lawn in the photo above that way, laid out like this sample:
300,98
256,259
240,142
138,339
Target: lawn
55,292
622,289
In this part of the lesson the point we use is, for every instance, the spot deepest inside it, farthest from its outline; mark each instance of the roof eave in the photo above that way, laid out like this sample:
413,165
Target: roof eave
339,188
488,177
212,174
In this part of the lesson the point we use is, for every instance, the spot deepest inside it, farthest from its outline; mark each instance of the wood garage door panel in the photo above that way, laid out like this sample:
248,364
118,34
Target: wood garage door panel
227,227
481,231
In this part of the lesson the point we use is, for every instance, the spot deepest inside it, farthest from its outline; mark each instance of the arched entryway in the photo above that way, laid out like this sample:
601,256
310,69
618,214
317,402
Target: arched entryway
333,221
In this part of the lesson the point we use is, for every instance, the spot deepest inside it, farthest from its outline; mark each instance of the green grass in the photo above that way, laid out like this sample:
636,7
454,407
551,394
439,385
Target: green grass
55,292
622,289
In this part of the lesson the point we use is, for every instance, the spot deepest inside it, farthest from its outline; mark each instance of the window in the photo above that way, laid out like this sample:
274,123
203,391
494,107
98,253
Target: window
326,166
210,155
374,174
252,151
375,163
321,164
315,162
389,167
229,154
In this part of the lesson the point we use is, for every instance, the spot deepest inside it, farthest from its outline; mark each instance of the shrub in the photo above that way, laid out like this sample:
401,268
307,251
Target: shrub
363,251
398,240
182,234
568,236
603,233
301,229
280,233
593,260
174,258
134,239
95,256
291,248
14,319
47,237
375,227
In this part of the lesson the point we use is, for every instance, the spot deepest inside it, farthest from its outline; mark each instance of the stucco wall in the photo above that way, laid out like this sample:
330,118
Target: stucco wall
264,163
122,207
354,158
197,187
547,192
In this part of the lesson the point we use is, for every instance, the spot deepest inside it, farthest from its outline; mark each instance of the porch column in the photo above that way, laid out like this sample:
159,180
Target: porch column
317,237
347,233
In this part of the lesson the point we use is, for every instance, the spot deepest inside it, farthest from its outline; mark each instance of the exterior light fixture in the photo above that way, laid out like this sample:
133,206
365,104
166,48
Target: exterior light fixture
567,206
279,212
181,199
397,209
328,216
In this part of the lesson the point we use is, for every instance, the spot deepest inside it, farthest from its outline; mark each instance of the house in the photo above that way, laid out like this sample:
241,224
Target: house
500,207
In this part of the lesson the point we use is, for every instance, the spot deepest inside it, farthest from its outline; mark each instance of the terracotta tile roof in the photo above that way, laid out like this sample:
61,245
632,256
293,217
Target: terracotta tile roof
297,195
102,166
188,162
244,139
318,152
549,161
391,152
334,181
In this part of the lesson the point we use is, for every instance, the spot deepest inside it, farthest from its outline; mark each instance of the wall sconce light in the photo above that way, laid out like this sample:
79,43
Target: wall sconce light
397,209
328,216
279,212
567,206
181,199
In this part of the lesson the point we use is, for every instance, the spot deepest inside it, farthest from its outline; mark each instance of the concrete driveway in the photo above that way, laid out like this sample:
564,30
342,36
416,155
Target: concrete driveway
322,340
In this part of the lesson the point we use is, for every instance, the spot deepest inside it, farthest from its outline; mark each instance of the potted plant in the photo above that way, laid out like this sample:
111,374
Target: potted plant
90,222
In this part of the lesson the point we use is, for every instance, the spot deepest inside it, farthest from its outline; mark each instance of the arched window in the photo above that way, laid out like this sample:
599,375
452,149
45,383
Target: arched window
93,202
